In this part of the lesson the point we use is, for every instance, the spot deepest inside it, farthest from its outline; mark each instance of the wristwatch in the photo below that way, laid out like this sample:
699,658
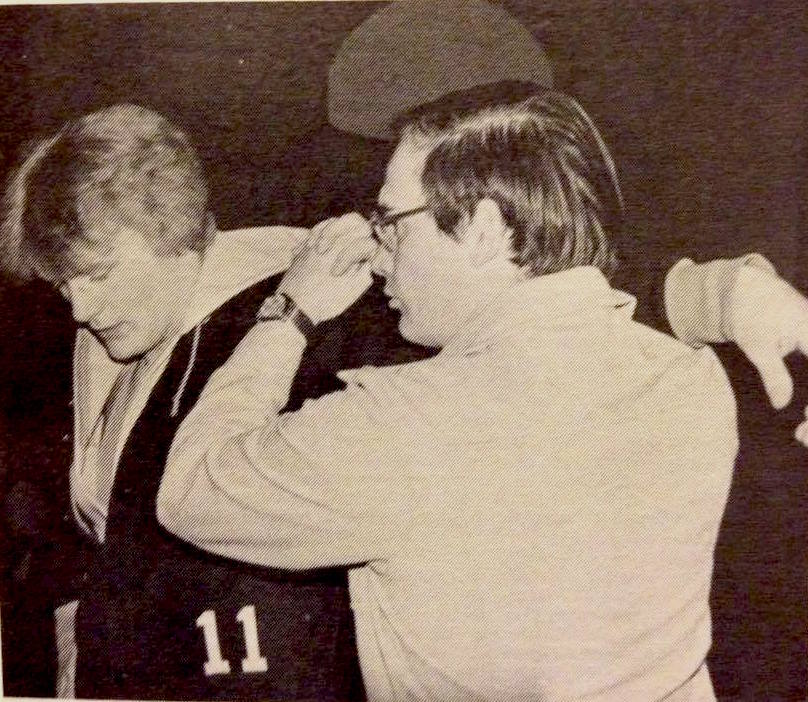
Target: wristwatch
282,308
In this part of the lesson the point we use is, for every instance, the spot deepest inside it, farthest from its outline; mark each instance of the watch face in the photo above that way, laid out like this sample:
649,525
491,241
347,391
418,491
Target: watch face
274,307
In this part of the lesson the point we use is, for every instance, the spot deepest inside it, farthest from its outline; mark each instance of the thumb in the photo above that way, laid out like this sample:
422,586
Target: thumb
774,374
802,337
801,432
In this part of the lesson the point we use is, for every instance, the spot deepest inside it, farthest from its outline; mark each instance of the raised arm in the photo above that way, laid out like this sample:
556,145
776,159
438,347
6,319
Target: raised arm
742,301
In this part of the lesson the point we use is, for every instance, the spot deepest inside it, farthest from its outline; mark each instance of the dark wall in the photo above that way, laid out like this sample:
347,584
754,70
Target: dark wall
243,79
703,103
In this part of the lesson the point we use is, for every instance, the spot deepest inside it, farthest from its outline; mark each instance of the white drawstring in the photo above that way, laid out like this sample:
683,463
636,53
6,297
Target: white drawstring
175,405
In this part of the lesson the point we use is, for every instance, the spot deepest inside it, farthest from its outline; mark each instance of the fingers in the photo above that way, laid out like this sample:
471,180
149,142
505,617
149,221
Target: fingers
802,337
316,232
299,246
801,432
355,253
352,225
365,280
318,228
774,374
348,240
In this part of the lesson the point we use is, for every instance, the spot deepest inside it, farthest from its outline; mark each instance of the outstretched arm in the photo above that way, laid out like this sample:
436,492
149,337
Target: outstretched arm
742,301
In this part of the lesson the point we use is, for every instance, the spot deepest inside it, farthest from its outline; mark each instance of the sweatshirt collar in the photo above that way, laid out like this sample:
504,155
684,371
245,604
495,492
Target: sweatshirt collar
524,309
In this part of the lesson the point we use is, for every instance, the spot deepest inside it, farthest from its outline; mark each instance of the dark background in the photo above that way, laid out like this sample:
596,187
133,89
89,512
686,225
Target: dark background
703,104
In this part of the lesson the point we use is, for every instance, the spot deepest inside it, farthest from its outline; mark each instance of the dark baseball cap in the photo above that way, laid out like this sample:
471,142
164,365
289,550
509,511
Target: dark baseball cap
412,52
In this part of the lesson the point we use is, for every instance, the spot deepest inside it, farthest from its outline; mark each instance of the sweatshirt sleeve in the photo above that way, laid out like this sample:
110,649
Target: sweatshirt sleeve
697,297
314,488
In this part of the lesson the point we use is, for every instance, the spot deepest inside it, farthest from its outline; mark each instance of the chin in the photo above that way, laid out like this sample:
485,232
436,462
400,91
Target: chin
120,355
123,350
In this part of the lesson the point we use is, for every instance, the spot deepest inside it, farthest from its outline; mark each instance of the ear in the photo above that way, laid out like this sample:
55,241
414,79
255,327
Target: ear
487,234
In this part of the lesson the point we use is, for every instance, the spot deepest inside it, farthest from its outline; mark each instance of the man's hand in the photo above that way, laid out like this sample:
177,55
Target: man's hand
332,270
768,319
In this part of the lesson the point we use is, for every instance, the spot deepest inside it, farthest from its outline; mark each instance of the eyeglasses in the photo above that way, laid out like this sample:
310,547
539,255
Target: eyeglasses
384,227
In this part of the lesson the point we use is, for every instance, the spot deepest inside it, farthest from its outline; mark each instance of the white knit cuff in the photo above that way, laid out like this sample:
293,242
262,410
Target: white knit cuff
698,296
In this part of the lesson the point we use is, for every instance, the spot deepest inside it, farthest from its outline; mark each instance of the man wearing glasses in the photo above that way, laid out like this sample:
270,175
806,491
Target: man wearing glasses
519,510
377,346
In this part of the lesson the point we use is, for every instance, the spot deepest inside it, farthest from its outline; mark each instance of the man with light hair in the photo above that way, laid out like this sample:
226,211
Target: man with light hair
532,512
113,212
362,336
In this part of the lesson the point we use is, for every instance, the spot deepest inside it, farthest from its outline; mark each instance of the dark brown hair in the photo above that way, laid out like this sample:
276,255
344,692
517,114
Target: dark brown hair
540,158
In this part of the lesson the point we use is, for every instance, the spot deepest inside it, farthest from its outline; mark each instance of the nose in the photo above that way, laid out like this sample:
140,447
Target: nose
381,263
84,304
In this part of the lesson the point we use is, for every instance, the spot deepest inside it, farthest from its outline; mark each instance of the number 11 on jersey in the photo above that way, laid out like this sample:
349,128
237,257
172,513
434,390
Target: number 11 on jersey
254,662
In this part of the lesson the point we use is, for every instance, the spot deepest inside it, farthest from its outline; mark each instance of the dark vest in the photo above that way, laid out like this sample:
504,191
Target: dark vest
154,610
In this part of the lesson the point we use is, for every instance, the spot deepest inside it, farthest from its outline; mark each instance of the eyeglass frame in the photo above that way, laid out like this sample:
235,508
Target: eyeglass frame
379,222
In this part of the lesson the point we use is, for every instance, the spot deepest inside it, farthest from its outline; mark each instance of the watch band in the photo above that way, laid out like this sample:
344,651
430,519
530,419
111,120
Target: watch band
281,307
300,319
